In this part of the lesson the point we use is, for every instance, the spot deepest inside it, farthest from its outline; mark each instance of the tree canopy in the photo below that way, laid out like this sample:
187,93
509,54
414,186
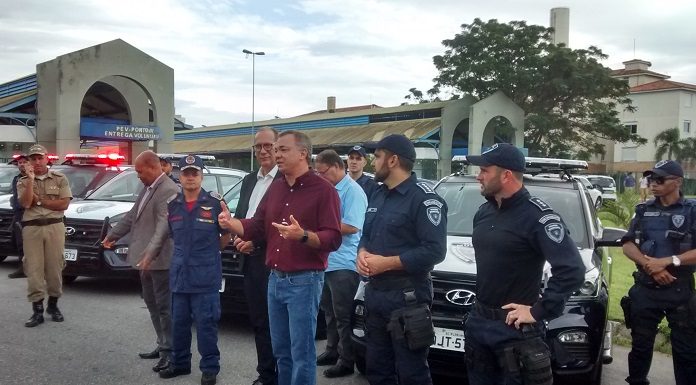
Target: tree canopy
569,98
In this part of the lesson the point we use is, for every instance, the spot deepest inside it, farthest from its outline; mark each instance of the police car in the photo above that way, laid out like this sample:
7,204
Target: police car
85,172
88,221
580,339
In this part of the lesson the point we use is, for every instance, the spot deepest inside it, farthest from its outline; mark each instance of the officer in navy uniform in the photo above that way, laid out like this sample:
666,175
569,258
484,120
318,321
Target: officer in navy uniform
404,236
660,241
514,233
195,274
166,163
357,159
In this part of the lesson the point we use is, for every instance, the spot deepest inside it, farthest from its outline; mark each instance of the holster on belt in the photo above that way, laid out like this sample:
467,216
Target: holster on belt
412,323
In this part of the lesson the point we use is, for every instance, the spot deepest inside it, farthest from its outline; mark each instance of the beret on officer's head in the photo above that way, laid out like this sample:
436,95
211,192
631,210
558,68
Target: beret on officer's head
396,143
666,168
358,149
503,155
191,161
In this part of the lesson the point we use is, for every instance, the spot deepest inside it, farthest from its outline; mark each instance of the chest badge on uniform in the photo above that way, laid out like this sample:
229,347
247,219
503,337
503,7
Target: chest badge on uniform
678,220
206,214
555,232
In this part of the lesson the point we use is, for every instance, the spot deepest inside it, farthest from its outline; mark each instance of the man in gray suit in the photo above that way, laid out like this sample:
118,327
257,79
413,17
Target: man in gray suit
150,248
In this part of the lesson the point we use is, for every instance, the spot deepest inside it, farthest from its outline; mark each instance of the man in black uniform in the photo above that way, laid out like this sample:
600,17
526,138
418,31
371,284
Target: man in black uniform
18,212
404,236
514,234
357,160
660,241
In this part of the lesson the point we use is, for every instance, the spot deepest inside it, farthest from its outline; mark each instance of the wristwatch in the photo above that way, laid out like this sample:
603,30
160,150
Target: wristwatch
305,237
38,203
676,261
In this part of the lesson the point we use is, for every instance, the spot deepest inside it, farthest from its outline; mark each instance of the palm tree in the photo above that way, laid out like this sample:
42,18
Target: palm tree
667,142
619,212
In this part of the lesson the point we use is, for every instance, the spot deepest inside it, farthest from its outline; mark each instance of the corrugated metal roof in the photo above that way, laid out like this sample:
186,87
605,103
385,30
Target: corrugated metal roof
16,97
322,137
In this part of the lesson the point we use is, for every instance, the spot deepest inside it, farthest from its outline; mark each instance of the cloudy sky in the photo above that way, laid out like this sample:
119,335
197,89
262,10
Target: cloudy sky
360,51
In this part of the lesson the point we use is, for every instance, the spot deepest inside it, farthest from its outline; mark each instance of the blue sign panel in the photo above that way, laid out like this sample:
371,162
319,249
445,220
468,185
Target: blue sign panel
117,131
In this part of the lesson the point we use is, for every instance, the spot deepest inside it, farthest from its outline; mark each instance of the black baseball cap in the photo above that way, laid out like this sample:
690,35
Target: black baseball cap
666,168
503,155
396,143
359,149
167,159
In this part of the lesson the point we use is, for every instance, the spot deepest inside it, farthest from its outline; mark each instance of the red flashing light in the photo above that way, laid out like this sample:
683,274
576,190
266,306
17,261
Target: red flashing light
110,159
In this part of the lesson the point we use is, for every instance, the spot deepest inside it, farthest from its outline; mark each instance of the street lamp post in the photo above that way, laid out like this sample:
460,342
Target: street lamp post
253,85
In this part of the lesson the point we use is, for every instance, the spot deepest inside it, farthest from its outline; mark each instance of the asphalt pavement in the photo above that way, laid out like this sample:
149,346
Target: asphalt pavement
107,324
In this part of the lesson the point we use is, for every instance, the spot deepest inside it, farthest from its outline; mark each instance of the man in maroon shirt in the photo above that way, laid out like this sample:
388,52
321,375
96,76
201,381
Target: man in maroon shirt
300,218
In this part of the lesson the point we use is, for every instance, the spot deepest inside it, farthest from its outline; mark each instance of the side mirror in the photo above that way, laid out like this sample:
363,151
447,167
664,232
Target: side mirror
611,237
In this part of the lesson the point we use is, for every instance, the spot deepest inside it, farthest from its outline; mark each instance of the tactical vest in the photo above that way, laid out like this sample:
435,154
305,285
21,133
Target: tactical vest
666,232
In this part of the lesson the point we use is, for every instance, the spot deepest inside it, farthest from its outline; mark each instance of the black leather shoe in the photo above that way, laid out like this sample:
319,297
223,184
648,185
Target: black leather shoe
17,274
327,358
171,372
36,319
338,370
161,364
151,355
259,382
208,379
55,313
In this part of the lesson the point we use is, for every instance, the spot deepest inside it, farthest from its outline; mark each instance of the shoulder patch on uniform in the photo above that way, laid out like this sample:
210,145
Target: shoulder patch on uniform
540,204
434,215
432,202
555,231
425,187
216,195
549,217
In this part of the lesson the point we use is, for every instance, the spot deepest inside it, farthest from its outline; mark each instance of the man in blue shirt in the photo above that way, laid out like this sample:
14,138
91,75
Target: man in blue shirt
341,279
195,273
357,160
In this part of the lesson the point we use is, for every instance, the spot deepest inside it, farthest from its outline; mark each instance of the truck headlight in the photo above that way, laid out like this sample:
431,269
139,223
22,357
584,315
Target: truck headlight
590,285
573,337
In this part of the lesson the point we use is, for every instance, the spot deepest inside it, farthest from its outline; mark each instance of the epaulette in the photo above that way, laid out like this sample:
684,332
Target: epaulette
425,187
216,195
57,173
543,206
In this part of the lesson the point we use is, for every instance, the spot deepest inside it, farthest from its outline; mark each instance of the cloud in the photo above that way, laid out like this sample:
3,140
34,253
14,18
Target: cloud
360,51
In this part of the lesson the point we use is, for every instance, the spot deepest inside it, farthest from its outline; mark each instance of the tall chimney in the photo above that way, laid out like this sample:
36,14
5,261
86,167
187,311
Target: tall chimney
331,104
560,22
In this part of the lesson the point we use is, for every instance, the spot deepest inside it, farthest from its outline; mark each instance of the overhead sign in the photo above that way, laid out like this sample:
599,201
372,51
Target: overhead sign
115,131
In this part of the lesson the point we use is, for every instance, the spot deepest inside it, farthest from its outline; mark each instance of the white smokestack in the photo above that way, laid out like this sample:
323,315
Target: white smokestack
560,22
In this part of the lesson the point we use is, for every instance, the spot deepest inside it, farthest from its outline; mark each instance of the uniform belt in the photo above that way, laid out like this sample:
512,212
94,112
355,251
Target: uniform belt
42,221
283,274
491,313
683,280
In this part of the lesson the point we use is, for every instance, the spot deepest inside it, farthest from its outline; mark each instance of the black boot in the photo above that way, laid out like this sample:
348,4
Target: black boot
53,310
17,274
37,317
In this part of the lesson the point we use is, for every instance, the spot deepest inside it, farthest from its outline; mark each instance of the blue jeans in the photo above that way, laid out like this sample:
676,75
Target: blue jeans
293,304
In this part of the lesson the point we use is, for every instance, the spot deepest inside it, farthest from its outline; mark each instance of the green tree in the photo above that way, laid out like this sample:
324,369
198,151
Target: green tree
619,212
667,142
570,100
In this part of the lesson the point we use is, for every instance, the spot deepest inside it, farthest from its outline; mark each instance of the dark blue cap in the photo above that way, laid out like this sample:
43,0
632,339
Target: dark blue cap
191,161
503,155
666,168
167,159
396,143
359,149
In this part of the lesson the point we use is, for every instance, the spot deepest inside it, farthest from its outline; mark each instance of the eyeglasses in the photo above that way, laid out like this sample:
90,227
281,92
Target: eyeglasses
265,146
660,179
322,172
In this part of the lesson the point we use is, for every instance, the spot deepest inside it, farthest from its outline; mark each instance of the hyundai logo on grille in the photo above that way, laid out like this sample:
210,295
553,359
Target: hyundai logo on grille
461,297
70,230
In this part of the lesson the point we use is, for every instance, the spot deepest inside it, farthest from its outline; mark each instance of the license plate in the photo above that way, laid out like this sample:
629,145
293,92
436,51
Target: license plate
449,339
222,286
70,254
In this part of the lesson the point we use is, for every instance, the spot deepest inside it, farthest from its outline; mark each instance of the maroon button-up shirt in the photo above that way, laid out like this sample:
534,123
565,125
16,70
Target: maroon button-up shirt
315,205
